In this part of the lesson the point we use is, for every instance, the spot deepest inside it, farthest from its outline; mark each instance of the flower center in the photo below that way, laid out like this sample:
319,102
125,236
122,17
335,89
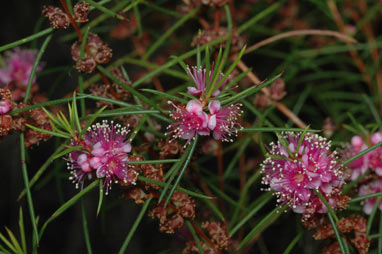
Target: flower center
112,165
298,178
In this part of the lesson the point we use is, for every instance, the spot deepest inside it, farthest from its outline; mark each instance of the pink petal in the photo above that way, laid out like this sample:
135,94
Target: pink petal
291,147
214,106
216,93
376,138
95,162
326,187
212,122
126,148
82,159
86,167
378,171
357,141
194,106
98,150
193,91
368,207
5,107
204,117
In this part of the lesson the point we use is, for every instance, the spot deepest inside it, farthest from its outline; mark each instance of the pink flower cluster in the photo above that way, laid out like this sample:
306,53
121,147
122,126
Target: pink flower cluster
105,156
296,168
192,120
18,67
371,160
373,187
199,76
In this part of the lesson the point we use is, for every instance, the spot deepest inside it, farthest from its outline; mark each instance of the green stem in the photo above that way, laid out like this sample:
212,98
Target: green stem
26,39
35,64
85,227
134,227
170,31
27,189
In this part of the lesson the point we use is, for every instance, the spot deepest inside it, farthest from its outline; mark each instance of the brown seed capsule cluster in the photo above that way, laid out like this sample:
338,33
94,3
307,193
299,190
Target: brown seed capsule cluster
217,233
169,149
57,17
81,11
171,218
36,117
335,198
355,227
112,91
212,34
100,52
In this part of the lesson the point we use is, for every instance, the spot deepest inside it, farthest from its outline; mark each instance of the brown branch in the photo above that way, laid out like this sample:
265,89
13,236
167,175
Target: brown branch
340,36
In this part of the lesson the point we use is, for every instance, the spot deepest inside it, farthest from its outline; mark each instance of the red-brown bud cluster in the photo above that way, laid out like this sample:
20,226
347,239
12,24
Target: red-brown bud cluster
57,17
212,34
191,247
354,228
112,91
100,53
172,217
81,11
338,201
169,149
216,233
36,117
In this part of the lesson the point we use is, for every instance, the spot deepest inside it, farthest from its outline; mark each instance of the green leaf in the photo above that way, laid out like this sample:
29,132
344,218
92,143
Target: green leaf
196,238
134,227
100,196
261,225
185,165
75,113
85,227
263,201
293,243
188,192
6,242
68,204
22,231
166,95
353,158
371,217
360,198
249,91
14,240
49,132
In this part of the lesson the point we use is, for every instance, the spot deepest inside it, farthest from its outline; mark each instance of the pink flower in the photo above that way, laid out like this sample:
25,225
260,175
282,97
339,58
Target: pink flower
199,77
106,156
373,187
223,122
296,172
190,121
18,66
375,156
360,165
5,107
